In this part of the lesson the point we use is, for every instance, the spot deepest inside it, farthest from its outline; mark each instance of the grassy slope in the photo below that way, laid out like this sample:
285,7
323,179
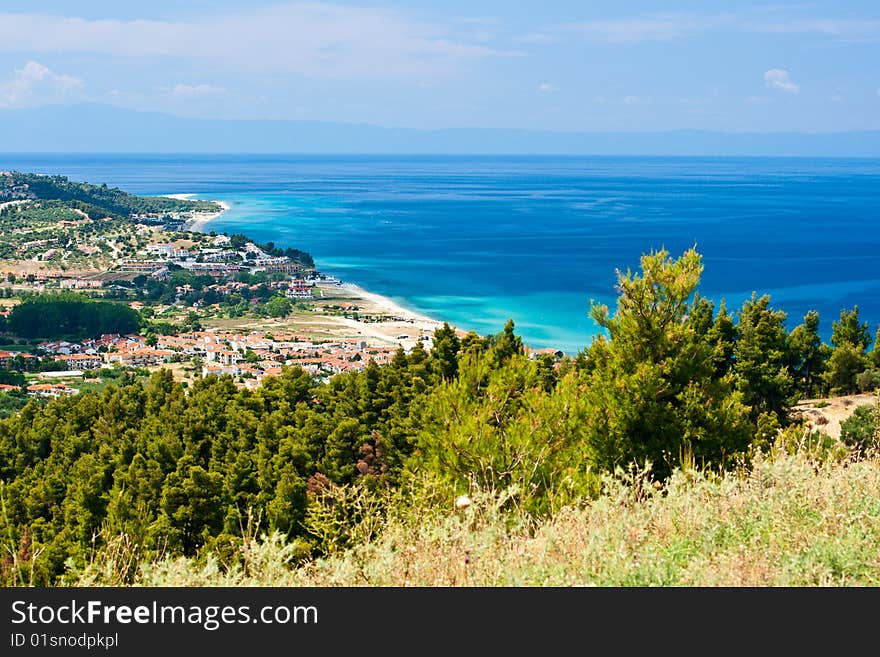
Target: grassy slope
790,521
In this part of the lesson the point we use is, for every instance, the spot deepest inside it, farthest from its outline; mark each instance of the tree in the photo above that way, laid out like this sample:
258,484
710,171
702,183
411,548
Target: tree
192,322
700,315
279,307
809,355
12,378
846,363
547,373
848,329
651,391
497,429
507,344
474,343
444,352
338,462
71,315
722,337
192,501
762,358
875,352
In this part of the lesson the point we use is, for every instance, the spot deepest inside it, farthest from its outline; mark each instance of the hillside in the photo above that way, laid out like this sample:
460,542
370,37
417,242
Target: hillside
56,228
361,462
793,519
96,201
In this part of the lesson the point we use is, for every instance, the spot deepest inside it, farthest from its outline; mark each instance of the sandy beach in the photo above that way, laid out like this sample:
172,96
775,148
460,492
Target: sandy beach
406,327
384,305
400,328
199,219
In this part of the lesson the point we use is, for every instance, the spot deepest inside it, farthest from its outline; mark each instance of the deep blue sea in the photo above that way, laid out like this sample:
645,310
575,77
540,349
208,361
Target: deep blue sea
478,240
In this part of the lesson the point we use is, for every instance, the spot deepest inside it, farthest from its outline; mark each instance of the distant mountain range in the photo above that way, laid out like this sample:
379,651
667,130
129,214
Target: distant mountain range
103,128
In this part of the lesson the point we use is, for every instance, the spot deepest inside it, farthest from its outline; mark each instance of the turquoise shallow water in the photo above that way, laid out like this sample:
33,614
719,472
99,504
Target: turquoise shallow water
477,240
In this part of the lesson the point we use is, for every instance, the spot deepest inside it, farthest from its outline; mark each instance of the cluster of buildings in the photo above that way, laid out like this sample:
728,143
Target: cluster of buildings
9,191
109,349
218,258
255,356
6,357
249,356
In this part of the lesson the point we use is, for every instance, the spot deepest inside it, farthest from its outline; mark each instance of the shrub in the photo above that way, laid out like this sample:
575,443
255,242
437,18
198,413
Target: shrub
869,380
859,431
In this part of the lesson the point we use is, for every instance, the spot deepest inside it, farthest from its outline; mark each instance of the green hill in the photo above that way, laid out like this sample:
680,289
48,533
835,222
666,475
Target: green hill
98,201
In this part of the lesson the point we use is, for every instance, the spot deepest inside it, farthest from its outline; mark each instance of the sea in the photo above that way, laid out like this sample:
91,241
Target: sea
478,240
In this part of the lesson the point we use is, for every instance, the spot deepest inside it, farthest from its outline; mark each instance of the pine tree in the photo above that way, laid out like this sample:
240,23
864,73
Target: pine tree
762,358
848,329
508,344
651,391
808,353
444,352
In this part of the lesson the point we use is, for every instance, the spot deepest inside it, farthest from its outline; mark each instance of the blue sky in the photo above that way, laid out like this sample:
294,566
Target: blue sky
551,65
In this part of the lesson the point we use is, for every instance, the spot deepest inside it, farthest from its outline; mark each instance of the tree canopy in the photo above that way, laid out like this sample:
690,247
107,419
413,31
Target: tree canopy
69,315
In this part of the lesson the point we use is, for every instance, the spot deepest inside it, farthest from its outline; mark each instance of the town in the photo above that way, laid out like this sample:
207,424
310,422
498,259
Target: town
207,303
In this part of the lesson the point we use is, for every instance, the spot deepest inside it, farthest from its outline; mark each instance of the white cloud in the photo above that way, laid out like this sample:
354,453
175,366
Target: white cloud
778,78
635,30
308,38
621,100
654,27
546,87
190,90
36,84
862,30
662,27
538,38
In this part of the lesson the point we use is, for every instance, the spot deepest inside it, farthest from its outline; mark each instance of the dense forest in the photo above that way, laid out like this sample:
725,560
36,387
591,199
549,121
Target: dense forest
70,316
184,471
102,201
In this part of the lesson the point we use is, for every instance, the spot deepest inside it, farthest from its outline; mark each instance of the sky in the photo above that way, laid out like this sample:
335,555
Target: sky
562,65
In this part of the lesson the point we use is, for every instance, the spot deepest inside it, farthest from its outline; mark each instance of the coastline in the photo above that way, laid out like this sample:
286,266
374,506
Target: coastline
404,328
199,220
389,307
406,323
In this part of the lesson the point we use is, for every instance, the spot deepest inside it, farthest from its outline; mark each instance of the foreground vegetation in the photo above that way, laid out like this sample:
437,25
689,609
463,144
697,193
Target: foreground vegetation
792,519
643,460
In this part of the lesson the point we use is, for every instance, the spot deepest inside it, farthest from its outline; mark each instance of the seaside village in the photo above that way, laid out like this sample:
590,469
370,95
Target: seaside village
72,255
249,357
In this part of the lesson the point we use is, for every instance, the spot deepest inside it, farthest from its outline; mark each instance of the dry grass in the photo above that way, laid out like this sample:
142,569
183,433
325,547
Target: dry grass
789,521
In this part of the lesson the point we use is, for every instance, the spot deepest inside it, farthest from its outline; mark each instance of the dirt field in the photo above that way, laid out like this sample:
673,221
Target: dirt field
406,330
828,417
